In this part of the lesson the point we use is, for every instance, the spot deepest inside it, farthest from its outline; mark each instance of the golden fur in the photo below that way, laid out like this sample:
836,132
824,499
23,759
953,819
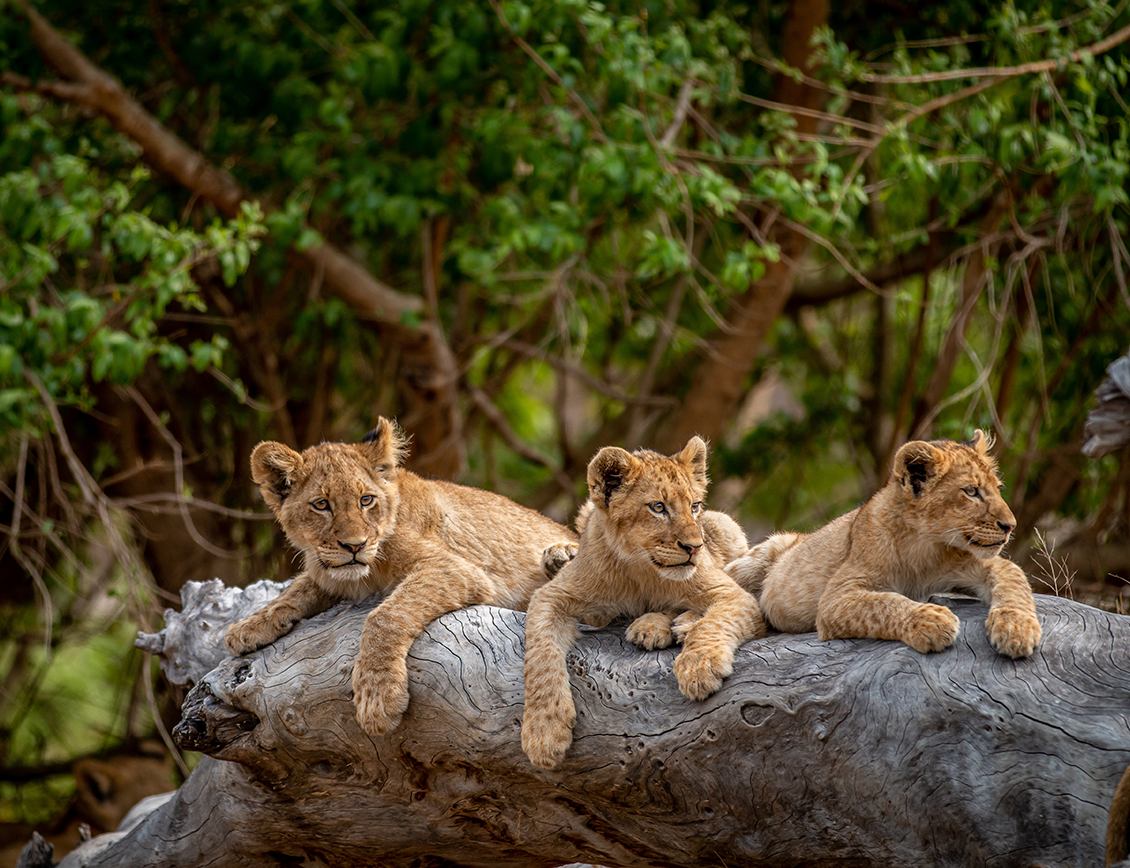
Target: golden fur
938,525
643,546
364,524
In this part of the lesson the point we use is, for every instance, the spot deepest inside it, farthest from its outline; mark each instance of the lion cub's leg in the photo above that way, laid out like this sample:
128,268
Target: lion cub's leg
380,674
849,609
300,599
732,617
1012,624
549,713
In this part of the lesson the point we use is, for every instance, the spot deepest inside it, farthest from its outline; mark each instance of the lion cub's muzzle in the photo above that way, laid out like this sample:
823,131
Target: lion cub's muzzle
988,540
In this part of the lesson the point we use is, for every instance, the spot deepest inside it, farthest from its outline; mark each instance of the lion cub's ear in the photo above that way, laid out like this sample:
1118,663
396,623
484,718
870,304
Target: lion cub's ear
385,445
918,465
980,441
275,468
607,471
694,456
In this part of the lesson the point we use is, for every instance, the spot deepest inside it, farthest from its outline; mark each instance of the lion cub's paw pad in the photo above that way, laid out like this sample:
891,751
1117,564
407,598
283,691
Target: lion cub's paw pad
700,674
933,628
546,741
380,699
1014,632
651,631
556,556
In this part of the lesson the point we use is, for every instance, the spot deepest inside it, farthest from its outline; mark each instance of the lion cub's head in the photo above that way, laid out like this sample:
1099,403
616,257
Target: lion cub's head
653,504
336,502
952,493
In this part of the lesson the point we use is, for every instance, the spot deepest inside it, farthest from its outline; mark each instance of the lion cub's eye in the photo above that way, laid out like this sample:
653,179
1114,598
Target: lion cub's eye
321,504
367,500
696,508
658,507
973,491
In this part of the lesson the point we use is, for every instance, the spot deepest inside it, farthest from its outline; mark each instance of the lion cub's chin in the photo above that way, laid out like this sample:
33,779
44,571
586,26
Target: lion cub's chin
350,581
680,573
981,552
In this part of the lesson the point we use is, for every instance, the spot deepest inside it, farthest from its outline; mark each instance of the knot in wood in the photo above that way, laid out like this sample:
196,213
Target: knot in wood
294,722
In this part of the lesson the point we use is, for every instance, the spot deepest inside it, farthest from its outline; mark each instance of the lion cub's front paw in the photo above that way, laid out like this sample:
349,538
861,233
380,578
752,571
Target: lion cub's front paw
247,635
700,673
546,738
651,631
932,628
380,697
556,556
1015,632
682,625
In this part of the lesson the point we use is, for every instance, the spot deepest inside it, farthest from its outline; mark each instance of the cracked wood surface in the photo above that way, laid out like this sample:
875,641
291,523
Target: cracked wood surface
851,752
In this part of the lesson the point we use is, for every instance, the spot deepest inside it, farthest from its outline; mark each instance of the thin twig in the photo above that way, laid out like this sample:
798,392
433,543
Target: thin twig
1076,56
178,473
550,71
682,104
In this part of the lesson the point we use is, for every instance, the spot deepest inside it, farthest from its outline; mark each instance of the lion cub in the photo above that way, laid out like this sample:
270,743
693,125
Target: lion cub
642,547
365,524
939,524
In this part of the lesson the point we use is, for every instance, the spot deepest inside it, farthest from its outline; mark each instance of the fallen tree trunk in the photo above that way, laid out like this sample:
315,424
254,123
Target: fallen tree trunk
852,752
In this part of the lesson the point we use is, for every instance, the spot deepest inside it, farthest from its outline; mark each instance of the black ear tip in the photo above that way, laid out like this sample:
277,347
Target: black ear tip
370,437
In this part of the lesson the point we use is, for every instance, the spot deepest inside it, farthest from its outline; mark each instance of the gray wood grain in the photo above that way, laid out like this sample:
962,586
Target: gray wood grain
851,752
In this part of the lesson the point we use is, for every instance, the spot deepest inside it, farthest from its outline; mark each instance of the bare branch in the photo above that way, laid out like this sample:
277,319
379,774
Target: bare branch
1100,47
680,117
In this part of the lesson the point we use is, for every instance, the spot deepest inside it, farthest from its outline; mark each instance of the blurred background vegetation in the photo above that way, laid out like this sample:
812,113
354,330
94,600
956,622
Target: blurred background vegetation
527,230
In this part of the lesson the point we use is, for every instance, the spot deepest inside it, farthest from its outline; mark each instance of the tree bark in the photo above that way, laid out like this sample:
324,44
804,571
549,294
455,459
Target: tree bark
843,753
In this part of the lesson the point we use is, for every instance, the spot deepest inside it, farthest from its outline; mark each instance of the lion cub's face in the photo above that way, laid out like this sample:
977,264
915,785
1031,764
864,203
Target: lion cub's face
654,504
955,493
335,502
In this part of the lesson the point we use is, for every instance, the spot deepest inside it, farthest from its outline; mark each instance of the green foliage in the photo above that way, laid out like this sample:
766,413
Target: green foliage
587,187
87,278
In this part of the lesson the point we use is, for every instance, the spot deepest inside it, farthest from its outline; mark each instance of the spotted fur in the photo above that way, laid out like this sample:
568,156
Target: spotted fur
646,544
939,524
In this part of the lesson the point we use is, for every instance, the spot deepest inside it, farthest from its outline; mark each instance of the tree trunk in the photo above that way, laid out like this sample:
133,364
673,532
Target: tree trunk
720,379
851,752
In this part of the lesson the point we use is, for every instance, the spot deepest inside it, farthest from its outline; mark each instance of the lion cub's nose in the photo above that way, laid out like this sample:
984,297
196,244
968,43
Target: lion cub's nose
689,549
353,547
1007,528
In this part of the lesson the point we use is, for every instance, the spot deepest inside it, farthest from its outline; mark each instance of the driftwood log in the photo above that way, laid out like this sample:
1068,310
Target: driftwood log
851,752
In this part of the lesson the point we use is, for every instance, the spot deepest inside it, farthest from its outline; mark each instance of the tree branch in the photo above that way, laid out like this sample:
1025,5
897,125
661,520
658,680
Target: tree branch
1100,47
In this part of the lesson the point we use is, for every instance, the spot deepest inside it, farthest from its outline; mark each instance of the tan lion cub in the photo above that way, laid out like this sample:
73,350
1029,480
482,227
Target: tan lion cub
365,524
939,524
642,548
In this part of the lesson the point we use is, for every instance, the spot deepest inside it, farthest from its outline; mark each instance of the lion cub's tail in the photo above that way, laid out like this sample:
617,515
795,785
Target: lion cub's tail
750,569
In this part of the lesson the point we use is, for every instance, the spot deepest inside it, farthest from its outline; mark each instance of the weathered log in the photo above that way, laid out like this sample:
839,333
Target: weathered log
851,752
1108,425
